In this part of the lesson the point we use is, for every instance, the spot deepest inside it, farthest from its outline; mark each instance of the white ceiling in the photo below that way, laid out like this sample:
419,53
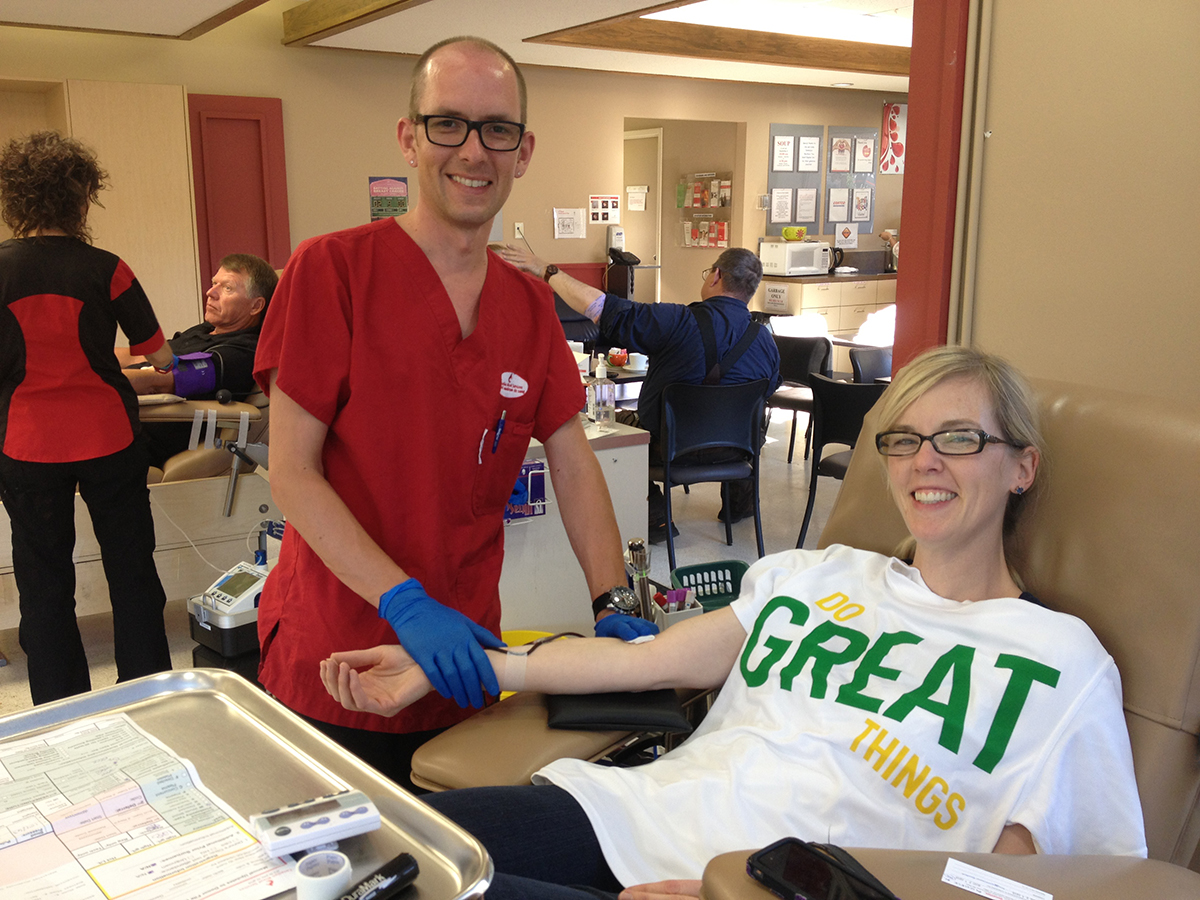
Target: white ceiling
506,22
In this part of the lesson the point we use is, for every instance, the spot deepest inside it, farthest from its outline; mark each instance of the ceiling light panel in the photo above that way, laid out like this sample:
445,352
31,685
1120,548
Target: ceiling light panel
866,21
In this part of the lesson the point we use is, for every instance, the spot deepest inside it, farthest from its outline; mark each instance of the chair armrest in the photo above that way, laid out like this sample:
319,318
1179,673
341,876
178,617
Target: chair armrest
918,873
185,411
504,744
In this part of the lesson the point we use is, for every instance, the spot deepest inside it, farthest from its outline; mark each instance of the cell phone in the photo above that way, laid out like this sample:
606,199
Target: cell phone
797,870
623,257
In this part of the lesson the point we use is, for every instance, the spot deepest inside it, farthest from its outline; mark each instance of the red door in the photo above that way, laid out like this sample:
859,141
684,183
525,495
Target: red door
240,179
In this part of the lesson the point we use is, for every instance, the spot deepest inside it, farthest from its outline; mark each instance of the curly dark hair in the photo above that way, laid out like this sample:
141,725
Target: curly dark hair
47,182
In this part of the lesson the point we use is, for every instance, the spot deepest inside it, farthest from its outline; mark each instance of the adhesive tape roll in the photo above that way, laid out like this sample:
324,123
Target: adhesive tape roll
323,875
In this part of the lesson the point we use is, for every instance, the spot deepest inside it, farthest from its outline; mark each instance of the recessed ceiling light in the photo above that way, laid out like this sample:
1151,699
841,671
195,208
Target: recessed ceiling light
842,84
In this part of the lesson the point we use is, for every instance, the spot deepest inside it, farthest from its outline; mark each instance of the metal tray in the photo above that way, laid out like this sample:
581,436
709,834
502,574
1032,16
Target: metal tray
256,754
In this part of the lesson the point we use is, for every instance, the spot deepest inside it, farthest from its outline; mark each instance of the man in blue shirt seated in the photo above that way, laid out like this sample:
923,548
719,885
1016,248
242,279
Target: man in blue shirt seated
672,335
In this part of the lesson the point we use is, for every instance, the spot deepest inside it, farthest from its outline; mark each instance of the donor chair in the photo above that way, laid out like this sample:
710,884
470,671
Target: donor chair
1100,541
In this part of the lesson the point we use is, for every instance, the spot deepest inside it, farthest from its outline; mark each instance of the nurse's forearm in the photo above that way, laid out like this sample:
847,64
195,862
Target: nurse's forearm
585,507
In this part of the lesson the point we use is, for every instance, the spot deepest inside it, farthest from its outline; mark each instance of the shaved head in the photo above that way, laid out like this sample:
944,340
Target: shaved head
421,71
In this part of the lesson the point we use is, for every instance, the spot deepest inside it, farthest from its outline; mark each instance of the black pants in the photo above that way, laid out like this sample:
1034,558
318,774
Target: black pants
40,501
539,838
388,753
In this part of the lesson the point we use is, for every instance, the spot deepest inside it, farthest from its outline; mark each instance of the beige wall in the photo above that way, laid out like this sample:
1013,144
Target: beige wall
1088,270
340,109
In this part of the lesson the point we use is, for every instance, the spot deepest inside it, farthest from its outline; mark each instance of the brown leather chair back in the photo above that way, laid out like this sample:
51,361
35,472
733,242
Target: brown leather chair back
1112,536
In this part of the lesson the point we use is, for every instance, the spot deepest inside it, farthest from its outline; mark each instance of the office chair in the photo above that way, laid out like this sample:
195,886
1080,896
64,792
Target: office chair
870,363
799,359
704,417
838,411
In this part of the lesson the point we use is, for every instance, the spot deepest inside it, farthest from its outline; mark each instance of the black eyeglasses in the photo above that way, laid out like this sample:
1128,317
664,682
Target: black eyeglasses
451,131
958,442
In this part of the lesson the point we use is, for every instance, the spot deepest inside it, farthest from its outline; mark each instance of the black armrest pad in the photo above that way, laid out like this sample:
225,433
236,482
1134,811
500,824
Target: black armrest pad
622,711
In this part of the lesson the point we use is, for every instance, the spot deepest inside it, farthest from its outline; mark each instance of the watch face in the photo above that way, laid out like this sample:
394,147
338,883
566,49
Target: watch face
623,599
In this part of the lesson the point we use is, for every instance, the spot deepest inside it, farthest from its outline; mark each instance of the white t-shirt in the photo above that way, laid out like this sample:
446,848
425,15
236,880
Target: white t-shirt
867,711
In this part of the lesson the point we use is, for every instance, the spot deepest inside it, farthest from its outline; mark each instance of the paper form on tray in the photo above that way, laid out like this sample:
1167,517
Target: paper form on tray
99,809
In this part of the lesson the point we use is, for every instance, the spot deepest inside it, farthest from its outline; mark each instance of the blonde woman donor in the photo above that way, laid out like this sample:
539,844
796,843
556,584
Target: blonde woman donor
865,700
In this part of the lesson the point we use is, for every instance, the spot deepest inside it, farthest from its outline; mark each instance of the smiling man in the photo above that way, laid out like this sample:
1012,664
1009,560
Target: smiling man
408,368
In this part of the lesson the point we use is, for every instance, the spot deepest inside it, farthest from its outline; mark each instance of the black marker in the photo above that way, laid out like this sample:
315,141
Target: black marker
386,881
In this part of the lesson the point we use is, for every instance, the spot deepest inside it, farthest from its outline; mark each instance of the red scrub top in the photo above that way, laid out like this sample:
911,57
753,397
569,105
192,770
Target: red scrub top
366,339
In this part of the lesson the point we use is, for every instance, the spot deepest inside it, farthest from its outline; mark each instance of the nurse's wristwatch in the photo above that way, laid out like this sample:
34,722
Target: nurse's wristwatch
619,599
549,272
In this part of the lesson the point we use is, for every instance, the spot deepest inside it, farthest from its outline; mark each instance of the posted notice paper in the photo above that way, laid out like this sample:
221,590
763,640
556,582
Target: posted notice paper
810,155
839,203
781,206
782,160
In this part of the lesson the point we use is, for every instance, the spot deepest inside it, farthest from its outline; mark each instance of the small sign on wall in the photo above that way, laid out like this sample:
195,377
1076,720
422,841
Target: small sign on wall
776,297
389,197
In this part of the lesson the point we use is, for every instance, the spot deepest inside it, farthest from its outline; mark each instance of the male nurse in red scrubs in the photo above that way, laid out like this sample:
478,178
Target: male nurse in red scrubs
408,367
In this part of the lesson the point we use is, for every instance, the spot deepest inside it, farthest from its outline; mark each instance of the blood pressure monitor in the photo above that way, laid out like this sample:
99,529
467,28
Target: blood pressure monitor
238,589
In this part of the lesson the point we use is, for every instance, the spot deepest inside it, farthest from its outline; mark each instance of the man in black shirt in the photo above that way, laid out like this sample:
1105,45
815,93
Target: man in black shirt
216,354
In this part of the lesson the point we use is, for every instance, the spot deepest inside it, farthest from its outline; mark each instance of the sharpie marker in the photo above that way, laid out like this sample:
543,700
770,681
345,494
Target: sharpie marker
386,881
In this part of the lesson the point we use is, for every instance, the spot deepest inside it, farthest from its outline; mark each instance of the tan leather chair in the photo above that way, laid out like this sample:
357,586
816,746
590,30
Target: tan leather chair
1112,536
208,462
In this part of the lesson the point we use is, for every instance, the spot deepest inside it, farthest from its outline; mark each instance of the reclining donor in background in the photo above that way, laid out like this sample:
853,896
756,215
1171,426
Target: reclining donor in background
865,700
216,354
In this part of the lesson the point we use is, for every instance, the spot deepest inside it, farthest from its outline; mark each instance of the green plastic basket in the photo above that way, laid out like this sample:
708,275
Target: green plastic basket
716,583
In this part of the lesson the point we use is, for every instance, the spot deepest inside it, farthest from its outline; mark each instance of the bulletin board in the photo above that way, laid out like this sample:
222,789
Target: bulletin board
794,178
859,178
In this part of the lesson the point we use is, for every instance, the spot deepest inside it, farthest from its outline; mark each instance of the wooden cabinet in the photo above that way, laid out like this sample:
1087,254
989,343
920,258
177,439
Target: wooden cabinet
140,135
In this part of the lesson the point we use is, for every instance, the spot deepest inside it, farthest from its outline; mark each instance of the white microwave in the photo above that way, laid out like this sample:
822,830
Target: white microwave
795,257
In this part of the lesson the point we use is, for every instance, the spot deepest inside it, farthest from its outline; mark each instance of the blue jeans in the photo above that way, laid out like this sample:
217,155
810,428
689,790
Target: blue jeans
539,838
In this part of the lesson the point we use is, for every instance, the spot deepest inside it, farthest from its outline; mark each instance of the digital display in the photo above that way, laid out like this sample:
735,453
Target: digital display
237,584
303,812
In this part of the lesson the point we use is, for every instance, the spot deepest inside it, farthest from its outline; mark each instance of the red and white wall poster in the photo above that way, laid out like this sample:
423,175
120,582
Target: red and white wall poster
894,137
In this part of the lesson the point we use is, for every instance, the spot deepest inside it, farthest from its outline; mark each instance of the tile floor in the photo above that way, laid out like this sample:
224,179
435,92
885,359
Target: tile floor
784,491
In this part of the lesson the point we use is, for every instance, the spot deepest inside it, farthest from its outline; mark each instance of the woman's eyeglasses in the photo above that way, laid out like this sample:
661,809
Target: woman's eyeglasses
958,442
451,131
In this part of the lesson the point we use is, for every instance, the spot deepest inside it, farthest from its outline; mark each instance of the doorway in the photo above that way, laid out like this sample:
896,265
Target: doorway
642,219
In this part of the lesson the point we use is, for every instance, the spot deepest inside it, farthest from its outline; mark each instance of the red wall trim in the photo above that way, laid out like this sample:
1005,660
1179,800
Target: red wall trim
935,97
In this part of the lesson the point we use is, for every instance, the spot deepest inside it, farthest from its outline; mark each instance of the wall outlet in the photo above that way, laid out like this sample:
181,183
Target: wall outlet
519,230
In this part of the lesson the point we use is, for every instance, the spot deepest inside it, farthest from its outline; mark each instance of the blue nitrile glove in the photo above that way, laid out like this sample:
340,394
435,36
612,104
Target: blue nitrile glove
443,642
627,628
520,494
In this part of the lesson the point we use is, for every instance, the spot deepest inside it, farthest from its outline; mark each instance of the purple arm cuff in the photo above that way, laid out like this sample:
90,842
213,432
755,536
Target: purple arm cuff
195,374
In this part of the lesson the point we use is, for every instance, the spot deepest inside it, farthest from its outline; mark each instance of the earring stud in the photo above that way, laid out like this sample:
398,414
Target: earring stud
1019,491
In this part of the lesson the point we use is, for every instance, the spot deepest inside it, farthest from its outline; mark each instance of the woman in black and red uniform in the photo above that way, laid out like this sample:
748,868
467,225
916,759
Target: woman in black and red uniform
69,417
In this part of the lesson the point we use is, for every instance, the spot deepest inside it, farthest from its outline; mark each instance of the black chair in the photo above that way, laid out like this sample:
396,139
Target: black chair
838,411
799,359
870,363
576,326
707,417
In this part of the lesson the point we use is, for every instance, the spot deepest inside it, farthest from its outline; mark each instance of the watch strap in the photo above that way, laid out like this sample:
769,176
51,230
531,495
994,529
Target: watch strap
549,272
602,602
